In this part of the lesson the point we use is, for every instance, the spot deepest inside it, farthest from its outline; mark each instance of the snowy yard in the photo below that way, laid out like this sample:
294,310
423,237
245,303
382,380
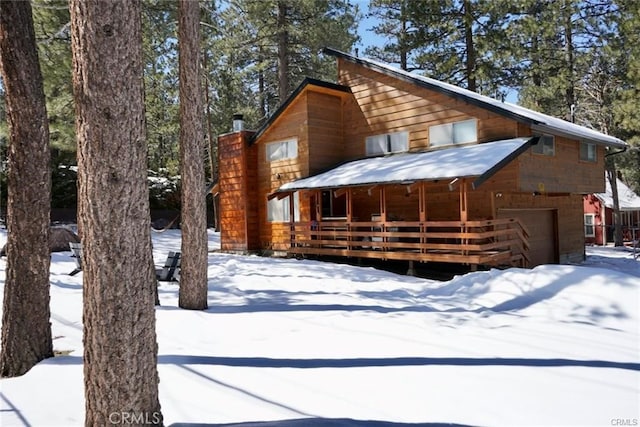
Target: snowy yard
328,344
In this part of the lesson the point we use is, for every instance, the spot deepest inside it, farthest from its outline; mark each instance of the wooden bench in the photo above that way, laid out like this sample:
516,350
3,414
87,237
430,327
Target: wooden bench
170,272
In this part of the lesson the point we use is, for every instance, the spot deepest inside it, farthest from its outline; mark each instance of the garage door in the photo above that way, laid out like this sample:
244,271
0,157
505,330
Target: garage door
541,224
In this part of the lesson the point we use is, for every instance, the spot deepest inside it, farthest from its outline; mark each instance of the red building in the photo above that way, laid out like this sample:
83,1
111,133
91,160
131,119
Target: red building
598,215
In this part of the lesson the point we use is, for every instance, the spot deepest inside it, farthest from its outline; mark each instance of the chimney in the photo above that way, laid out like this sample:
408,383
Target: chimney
238,123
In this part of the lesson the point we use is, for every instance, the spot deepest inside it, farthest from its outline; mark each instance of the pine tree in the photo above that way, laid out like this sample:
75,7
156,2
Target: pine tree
162,113
120,349
53,35
395,24
193,276
627,107
26,331
284,39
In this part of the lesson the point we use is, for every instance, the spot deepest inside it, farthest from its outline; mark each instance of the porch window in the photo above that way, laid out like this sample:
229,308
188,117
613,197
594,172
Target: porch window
282,150
453,133
278,210
333,206
589,225
387,143
588,152
545,146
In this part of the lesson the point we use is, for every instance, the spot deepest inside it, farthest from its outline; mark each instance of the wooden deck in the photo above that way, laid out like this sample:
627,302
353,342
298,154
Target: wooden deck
486,242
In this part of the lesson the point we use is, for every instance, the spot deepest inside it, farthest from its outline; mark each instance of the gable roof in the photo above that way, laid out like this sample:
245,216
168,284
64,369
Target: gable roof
478,160
628,200
301,87
538,121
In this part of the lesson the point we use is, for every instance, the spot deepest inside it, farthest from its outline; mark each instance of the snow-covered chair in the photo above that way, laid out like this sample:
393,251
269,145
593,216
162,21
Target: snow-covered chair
171,270
76,253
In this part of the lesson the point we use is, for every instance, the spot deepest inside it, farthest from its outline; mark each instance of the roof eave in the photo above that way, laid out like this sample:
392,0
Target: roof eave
612,142
504,162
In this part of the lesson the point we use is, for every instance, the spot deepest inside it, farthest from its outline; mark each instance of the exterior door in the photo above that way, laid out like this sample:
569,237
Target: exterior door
542,227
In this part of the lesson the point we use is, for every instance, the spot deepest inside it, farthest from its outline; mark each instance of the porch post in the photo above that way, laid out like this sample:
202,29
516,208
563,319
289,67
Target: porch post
383,204
292,220
422,201
318,205
464,214
422,207
383,214
463,201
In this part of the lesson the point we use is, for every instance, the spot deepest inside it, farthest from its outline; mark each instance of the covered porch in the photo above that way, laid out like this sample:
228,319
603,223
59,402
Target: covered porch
371,193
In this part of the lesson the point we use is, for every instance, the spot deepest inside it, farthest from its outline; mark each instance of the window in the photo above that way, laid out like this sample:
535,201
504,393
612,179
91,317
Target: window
545,146
453,133
333,206
278,210
387,143
588,152
589,225
282,150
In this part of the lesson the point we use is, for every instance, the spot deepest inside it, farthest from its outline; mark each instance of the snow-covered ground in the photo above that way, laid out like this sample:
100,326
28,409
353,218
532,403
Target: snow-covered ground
320,344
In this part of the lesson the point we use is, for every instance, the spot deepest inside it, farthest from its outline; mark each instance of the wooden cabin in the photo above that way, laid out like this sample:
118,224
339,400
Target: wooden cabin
599,219
391,165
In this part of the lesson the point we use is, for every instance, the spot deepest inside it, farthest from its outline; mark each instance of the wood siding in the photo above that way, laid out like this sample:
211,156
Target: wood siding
325,129
563,172
314,118
238,207
383,104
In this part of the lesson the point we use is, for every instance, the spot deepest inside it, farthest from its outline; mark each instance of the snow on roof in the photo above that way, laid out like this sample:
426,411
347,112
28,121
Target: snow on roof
540,121
628,200
458,162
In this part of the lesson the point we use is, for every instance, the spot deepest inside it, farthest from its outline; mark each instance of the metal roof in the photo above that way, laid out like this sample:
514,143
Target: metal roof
539,122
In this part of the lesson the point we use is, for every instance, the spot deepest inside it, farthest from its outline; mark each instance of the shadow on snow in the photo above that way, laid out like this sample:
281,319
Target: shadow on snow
318,422
364,362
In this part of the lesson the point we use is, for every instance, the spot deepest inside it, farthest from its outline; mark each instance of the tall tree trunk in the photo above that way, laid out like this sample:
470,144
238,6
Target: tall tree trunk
211,143
612,176
193,273
283,52
403,37
26,331
120,349
570,96
470,48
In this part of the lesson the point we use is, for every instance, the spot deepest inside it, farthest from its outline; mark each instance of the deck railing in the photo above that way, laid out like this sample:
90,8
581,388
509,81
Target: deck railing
481,242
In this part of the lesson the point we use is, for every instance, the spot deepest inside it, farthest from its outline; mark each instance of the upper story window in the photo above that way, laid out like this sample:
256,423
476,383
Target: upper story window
545,146
588,152
282,150
453,133
387,143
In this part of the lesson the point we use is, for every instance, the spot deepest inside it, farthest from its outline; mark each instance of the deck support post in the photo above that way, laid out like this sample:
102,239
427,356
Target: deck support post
411,271
349,196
